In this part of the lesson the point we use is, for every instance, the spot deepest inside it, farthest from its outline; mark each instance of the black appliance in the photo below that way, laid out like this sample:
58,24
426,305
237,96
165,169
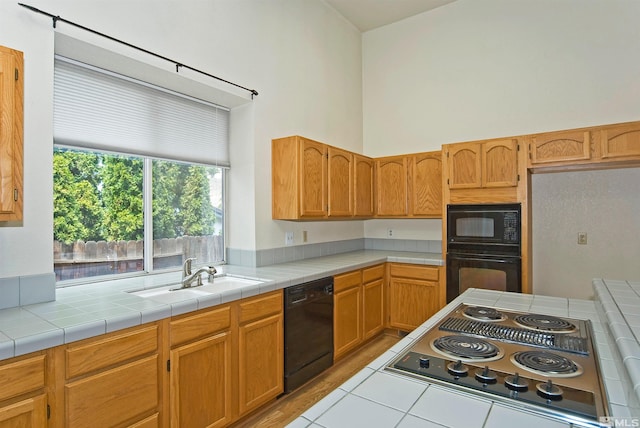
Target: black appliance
483,248
544,364
308,331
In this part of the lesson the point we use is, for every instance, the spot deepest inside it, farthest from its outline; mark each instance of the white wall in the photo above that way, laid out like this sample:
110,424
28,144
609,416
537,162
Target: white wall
473,69
605,205
302,57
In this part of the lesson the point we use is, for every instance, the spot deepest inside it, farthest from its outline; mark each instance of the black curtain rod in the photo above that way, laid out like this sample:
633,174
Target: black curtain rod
177,63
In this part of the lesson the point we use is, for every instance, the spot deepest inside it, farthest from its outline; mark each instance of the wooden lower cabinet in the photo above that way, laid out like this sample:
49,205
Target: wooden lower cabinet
200,368
27,413
415,294
358,308
260,351
113,380
23,401
226,361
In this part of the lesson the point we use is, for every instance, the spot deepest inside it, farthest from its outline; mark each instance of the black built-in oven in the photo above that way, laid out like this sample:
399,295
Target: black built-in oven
483,248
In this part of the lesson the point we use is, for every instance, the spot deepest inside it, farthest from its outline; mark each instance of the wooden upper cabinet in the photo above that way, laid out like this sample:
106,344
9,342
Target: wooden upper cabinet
391,186
426,184
483,164
11,134
298,178
465,161
313,180
363,186
560,147
500,163
340,182
620,142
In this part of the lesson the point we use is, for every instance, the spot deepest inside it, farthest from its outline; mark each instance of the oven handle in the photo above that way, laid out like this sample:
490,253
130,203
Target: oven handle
498,259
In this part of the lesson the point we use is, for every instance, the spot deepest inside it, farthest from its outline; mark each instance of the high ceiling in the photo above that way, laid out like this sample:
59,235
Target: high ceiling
369,14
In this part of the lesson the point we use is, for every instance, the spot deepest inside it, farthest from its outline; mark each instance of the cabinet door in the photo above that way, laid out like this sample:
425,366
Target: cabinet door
29,413
426,183
347,316
114,396
560,147
465,163
500,163
373,308
620,142
340,182
261,360
391,186
201,383
313,179
11,132
363,183
412,302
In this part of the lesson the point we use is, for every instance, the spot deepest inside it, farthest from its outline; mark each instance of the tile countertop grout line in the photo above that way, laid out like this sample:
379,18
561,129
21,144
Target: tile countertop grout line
110,294
623,336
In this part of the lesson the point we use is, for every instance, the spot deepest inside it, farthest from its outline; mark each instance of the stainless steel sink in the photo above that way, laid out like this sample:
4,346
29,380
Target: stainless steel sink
172,293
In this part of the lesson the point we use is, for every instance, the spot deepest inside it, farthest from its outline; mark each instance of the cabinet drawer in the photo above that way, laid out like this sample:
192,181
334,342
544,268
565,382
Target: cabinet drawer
200,325
152,421
260,306
346,281
114,396
372,273
414,271
20,377
111,350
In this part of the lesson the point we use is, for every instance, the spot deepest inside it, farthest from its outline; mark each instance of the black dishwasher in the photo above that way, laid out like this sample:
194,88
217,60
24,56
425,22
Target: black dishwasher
308,331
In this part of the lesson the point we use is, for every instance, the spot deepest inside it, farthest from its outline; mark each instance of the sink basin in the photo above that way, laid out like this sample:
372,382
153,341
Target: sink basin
169,294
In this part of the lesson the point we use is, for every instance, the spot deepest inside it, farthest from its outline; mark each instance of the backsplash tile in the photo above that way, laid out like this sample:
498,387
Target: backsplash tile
10,292
294,253
37,288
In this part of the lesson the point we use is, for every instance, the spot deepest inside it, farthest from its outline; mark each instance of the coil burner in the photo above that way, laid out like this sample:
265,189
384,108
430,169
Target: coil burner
545,323
546,363
466,348
481,313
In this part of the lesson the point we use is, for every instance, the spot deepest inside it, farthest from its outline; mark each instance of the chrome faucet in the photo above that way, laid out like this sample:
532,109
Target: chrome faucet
188,277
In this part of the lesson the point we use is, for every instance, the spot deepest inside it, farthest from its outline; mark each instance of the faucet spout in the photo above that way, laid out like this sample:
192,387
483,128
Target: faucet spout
188,277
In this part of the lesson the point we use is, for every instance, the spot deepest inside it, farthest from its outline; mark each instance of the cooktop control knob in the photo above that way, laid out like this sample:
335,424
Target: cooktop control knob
457,368
424,362
516,383
549,390
486,376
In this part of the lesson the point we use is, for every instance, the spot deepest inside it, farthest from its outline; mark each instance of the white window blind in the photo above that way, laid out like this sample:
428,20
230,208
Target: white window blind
100,110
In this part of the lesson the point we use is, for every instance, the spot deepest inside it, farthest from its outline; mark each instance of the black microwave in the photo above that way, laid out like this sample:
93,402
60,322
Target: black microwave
484,229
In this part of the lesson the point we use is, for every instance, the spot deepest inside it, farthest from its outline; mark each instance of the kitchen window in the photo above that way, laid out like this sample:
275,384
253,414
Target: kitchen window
138,176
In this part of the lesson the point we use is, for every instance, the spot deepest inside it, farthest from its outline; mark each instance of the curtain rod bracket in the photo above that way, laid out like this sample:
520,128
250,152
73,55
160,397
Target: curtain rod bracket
178,65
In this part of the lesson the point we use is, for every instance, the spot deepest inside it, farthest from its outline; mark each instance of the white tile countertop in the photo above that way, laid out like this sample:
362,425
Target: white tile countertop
84,311
378,398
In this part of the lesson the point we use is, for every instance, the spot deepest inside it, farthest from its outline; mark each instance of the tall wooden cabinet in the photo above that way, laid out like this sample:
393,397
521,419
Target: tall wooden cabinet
11,134
23,398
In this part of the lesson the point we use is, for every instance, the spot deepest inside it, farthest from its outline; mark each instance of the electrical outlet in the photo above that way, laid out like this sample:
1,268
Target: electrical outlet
288,238
389,233
582,238
304,236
